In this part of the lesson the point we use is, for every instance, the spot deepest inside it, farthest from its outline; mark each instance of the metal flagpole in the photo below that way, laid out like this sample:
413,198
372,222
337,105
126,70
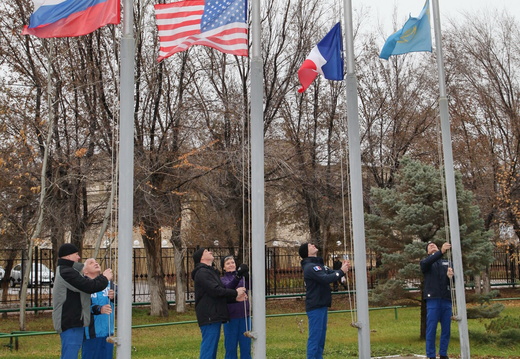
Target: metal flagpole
451,191
126,185
358,223
257,186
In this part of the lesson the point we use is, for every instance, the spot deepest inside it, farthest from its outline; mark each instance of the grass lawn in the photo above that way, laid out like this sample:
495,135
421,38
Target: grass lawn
286,336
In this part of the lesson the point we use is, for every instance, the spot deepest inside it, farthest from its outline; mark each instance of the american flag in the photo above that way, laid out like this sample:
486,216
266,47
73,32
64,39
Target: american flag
220,24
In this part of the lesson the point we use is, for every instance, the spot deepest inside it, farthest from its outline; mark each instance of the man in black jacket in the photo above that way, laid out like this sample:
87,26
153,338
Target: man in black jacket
211,298
318,296
437,294
71,299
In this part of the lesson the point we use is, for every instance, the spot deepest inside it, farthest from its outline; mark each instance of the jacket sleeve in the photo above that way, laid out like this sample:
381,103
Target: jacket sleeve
426,263
95,309
98,301
323,274
82,283
230,281
212,285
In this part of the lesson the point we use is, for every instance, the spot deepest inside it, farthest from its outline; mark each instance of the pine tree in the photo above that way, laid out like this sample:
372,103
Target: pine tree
406,217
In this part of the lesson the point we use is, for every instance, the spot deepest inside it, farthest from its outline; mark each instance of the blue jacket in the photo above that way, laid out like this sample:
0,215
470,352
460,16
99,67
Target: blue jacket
101,325
317,279
436,281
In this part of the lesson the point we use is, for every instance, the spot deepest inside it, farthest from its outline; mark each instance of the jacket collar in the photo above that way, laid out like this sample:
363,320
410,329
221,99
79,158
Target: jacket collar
68,263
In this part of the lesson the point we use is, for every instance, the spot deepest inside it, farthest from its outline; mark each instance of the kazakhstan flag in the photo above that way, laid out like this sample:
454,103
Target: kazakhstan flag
413,37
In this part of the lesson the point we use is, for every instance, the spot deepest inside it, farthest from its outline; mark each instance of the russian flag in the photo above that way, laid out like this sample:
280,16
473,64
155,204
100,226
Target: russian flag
68,18
325,58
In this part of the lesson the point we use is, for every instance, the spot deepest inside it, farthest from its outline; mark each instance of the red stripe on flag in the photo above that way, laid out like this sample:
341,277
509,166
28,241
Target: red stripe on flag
176,36
80,23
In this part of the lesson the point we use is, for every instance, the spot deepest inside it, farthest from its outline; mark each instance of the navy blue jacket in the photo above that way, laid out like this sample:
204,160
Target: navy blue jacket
317,279
436,281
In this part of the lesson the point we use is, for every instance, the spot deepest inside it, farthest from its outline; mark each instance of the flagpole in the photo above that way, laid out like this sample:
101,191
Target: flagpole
126,185
451,192
358,224
257,187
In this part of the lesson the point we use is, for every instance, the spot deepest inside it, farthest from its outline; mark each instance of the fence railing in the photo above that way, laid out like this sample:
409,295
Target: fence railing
282,268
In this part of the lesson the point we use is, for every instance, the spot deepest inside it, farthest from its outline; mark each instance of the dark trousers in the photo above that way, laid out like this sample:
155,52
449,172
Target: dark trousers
210,338
437,311
71,340
234,337
317,332
97,348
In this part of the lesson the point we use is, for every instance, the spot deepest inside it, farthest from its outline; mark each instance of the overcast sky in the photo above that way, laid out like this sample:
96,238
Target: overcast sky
381,11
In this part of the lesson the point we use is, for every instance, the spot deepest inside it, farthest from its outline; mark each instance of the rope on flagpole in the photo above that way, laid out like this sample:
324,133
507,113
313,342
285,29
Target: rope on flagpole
350,296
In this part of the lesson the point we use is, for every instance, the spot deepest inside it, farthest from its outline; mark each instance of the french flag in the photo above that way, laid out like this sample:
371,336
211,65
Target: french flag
68,18
325,58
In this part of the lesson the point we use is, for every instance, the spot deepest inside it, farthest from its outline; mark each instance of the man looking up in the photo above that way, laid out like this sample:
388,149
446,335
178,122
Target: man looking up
101,325
211,298
71,299
318,297
437,294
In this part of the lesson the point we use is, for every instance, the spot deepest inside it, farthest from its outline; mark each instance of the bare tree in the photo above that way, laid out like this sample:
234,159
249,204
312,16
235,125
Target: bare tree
484,91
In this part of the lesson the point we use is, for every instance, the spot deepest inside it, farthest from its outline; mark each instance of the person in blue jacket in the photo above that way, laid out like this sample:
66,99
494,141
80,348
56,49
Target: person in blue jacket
239,319
95,344
318,297
437,273
71,299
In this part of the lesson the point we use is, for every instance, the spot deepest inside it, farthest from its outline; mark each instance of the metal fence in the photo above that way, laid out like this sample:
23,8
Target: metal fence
282,268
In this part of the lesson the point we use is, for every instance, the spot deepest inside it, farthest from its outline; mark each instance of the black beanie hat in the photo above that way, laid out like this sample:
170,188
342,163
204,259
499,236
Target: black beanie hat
66,249
304,250
198,255
223,261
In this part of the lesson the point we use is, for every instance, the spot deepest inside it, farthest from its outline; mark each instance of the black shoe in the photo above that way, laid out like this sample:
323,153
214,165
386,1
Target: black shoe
432,358
444,357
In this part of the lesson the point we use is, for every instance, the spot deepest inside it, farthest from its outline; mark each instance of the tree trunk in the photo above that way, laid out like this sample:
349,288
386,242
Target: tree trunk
4,283
486,282
478,284
179,254
157,287
314,221
180,276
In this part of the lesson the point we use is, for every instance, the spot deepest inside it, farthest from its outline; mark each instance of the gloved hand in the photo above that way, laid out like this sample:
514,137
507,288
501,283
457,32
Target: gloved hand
243,271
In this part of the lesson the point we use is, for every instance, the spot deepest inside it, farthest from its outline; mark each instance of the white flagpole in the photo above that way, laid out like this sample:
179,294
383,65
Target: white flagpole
358,223
451,192
257,187
126,185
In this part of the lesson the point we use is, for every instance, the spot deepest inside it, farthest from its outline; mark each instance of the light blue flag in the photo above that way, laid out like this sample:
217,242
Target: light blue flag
413,37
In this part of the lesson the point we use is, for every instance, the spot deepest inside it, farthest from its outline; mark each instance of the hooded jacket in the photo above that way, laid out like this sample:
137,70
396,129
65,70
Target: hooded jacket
317,279
211,297
71,295
436,281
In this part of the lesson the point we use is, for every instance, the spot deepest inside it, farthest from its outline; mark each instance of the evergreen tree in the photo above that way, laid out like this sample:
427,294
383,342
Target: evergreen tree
409,215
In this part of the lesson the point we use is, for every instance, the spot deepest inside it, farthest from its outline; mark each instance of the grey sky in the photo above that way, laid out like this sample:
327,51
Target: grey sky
382,11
